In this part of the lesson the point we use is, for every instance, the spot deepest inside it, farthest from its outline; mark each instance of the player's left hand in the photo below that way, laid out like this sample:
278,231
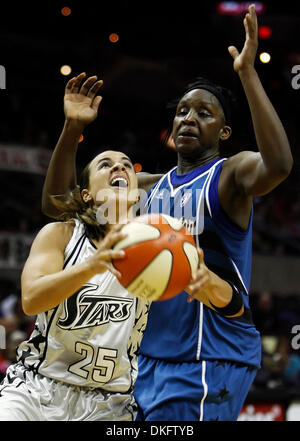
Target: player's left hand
246,59
200,281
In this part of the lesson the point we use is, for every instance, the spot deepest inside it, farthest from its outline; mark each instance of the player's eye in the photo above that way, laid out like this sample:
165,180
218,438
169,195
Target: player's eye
104,164
204,114
182,111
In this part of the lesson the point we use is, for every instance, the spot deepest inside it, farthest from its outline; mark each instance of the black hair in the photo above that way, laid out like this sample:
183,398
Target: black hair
225,96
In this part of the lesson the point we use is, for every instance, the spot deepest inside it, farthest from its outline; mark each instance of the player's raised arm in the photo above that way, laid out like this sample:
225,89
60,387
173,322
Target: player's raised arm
146,180
259,173
81,104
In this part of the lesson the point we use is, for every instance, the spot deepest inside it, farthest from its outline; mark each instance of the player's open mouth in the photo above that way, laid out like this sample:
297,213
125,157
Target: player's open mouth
119,182
187,135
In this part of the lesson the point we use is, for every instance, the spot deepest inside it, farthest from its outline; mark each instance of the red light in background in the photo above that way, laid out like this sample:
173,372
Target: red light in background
137,167
264,32
66,11
169,142
81,138
113,38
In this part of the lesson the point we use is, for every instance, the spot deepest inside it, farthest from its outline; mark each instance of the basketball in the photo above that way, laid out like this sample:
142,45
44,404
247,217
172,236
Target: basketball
160,257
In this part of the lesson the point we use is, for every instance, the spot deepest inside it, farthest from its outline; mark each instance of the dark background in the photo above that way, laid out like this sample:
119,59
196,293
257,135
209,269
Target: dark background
162,45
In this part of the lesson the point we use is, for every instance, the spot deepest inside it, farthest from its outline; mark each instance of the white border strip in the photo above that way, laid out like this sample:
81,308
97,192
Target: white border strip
212,170
200,331
199,215
175,190
239,274
205,390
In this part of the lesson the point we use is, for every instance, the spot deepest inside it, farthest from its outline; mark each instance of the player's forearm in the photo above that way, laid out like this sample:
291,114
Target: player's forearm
146,180
48,291
61,173
270,135
219,295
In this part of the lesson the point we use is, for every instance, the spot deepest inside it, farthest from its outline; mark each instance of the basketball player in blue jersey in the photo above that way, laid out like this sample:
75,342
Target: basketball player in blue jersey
80,363
198,360
201,351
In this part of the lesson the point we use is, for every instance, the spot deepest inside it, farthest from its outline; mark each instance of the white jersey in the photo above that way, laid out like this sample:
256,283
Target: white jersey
92,338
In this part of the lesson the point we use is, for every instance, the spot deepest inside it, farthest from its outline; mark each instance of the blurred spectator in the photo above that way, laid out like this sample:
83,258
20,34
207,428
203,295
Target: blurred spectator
18,326
8,355
274,317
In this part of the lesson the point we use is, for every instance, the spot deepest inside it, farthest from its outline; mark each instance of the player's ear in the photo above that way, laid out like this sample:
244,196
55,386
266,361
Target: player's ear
86,196
225,133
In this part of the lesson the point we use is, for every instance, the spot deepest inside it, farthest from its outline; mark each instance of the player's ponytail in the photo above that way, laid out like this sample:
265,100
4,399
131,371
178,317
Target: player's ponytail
71,205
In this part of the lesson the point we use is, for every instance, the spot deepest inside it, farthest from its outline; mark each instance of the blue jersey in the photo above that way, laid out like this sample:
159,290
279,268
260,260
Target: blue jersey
179,331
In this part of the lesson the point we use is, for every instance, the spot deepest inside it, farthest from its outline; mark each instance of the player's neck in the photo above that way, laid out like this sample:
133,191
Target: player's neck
186,164
121,217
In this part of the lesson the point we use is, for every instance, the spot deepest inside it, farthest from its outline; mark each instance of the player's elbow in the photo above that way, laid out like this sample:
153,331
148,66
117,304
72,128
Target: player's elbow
27,305
286,167
48,209
278,174
282,168
273,177
31,303
28,297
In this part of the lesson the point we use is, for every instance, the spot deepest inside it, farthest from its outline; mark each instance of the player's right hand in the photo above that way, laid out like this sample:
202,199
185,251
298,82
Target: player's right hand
246,59
81,101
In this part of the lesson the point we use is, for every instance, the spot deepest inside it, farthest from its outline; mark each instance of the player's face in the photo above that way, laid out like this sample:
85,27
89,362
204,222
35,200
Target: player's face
198,122
112,175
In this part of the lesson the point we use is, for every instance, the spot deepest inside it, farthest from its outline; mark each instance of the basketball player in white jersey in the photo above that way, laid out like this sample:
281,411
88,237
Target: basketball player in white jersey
80,363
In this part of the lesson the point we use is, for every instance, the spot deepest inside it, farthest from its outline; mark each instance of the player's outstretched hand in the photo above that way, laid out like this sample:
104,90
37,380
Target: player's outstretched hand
245,59
81,101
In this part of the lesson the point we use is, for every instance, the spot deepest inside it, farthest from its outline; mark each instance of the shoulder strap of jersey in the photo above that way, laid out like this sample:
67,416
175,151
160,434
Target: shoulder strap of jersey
211,175
75,242
153,190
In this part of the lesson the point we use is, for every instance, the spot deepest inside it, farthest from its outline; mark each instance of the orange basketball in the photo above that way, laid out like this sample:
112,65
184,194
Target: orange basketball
160,257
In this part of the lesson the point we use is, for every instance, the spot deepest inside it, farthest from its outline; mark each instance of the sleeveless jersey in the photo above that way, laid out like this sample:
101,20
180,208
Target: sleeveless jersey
179,331
92,338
